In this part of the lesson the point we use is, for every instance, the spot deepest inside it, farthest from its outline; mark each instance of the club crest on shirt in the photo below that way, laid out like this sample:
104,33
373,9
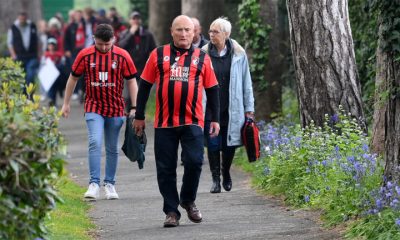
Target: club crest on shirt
114,64
195,60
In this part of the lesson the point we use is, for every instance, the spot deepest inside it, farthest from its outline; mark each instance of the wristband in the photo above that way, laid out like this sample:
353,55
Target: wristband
133,107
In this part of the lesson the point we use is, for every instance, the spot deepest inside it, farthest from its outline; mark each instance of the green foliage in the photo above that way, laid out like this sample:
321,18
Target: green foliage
141,6
30,157
389,21
364,29
255,36
69,220
328,168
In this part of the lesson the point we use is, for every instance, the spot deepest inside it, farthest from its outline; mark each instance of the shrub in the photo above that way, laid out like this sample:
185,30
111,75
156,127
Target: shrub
30,157
329,168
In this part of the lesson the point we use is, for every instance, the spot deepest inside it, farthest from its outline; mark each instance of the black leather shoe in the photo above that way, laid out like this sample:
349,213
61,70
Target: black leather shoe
227,182
172,220
216,186
193,213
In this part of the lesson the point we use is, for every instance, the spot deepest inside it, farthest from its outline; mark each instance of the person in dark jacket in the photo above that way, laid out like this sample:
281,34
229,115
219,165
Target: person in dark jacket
139,43
231,67
24,45
198,39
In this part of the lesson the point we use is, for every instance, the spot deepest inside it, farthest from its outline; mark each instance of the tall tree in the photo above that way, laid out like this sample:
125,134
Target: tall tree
323,53
201,10
387,104
273,14
161,14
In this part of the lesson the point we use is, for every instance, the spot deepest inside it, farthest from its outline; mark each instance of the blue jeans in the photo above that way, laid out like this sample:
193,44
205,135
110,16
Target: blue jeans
220,142
30,66
166,141
111,126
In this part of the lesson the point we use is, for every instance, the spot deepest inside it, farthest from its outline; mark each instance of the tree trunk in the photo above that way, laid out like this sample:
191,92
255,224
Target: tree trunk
383,72
269,101
161,14
323,53
202,10
387,112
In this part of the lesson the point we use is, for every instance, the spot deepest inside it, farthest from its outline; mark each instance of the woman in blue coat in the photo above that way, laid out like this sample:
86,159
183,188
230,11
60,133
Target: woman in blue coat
231,67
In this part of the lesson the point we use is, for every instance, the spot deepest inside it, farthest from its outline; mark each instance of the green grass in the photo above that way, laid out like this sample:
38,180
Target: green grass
70,220
151,106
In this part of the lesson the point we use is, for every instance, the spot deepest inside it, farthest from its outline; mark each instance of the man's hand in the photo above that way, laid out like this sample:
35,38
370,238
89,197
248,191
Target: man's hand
139,126
65,110
214,129
132,113
134,28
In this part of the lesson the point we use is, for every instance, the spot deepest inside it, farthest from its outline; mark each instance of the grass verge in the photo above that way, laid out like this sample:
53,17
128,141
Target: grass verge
69,220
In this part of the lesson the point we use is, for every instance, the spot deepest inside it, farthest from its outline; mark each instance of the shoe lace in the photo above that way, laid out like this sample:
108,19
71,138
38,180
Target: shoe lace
93,186
110,188
193,208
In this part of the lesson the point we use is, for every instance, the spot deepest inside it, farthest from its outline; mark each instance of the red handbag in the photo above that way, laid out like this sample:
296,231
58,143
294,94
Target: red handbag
251,139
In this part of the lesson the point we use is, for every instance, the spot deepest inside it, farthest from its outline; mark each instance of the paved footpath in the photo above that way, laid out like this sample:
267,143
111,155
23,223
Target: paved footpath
239,214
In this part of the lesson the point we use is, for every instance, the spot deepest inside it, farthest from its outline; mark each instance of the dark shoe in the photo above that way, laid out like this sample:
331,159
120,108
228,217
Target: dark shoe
171,220
193,213
227,182
216,186
215,167
226,176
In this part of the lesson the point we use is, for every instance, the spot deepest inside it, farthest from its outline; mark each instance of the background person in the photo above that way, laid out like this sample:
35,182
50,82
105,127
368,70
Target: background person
181,72
198,39
139,42
24,45
104,67
236,100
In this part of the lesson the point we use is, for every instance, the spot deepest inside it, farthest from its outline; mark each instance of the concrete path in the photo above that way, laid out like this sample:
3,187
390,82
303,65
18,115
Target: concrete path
239,214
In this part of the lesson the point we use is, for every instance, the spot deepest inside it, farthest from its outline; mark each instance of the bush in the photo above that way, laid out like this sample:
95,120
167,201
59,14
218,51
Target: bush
30,157
330,168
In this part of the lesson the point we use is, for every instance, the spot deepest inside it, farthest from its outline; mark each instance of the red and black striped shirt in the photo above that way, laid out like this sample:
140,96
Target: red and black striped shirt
104,78
180,81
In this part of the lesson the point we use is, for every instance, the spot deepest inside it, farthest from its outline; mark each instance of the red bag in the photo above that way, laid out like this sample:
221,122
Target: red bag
251,139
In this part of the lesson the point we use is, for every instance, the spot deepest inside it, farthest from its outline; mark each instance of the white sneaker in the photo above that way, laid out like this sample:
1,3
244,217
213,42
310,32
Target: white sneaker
75,96
110,191
93,192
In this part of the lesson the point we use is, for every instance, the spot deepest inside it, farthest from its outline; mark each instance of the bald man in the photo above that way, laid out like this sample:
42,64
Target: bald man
198,39
180,72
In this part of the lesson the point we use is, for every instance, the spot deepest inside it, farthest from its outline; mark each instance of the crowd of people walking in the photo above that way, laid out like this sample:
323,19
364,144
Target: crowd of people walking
203,93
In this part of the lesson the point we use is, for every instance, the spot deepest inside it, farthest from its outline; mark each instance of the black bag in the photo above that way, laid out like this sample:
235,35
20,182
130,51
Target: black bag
251,139
134,146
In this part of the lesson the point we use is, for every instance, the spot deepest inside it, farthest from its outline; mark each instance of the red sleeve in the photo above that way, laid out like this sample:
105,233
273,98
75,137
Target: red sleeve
78,67
129,68
149,73
209,76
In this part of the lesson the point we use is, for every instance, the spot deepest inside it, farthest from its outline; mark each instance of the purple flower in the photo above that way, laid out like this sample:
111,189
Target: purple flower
335,118
397,190
266,171
397,222
365,147
379,203
306,198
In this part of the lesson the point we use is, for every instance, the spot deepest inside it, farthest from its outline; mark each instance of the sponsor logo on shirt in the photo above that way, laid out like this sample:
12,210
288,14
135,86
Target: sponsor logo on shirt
103,77
179,73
